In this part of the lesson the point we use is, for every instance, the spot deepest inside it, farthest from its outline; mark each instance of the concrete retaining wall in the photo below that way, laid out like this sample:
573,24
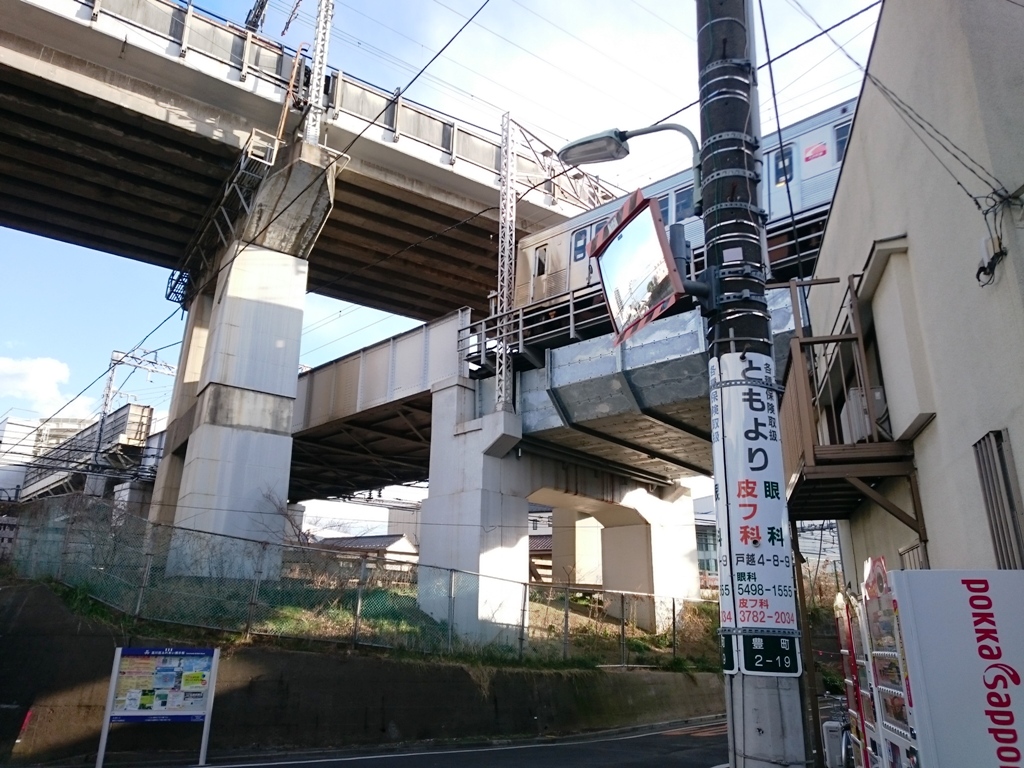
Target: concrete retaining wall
56,666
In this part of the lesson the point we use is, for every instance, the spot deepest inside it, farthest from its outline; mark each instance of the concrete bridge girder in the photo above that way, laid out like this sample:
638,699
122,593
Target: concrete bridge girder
118,137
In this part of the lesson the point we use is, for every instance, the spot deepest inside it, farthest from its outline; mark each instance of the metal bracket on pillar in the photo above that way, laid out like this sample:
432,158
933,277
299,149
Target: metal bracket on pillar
246,50
396,111
185,29
96,7
455,143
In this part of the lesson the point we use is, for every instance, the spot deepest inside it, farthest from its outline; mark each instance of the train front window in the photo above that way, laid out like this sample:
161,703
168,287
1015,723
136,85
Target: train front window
541,261
842,139
684,204
579,245
784,166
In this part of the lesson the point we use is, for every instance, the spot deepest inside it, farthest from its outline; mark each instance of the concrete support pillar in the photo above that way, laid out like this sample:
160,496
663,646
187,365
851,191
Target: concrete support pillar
228,454
235,475
474,520
655,554
179,419
575,547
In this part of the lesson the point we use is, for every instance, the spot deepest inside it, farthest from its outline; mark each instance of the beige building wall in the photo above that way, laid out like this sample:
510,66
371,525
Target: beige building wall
946,345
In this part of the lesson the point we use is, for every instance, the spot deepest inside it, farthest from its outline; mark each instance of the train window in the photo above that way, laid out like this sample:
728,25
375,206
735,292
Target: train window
784,166
540,263
663,205
579,245
842,139
599,226
684,204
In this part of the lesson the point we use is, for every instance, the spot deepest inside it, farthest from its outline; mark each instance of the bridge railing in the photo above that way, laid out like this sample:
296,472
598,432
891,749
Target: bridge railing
569,317
371,599
223,49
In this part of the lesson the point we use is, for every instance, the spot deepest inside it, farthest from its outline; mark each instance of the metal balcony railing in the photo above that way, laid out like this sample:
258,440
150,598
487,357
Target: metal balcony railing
837,447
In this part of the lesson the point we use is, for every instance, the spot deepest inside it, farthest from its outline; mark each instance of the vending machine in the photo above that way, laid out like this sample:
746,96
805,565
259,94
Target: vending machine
934,679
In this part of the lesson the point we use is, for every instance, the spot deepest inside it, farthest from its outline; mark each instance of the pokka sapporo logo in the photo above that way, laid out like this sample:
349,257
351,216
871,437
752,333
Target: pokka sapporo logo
999,678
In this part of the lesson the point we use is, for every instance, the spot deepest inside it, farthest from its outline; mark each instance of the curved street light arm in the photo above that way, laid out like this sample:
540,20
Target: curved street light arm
687,133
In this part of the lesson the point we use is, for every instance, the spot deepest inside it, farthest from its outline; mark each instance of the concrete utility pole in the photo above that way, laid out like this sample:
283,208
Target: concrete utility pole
757,588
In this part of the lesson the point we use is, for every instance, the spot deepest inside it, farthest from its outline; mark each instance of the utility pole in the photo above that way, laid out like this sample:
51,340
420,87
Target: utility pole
759,637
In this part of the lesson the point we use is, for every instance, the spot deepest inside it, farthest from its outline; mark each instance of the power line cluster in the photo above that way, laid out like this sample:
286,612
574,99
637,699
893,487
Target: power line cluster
419,73
996,198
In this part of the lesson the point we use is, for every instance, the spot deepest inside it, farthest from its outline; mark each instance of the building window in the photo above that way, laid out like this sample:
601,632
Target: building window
541,261
684,204
1001,492
842,139
784,166
579,245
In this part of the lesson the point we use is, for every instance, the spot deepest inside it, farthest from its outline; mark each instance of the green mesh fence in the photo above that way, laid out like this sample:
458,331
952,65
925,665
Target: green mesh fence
205,580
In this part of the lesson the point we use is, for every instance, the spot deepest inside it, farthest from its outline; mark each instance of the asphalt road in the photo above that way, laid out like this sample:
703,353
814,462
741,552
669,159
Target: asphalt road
696,746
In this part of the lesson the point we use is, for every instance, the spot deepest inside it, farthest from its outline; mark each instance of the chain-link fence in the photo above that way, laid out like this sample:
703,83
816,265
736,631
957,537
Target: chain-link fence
200,579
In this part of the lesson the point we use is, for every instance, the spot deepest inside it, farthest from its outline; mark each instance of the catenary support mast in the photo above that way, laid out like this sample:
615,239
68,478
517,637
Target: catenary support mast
758,606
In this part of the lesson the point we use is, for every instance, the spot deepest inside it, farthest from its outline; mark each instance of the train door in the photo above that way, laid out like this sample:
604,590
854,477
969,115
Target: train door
582,270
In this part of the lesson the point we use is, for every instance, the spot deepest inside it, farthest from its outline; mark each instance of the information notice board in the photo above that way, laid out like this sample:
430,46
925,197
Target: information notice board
161,685
757,597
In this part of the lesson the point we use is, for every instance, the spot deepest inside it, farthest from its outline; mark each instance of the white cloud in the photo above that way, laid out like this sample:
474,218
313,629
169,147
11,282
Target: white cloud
35,384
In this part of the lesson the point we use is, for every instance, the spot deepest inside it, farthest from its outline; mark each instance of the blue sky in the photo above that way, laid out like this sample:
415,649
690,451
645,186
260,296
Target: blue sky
565,69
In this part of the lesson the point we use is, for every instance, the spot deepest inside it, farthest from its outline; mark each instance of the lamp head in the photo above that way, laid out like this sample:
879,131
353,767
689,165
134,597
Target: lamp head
599,148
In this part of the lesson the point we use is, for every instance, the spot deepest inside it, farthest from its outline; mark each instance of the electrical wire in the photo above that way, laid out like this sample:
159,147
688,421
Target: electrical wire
956,152
265,228
997,196
664,21
782,55
438,84
91,383
787,168
464,221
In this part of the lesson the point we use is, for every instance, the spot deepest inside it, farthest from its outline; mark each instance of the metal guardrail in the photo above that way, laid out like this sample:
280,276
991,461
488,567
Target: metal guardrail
527,331
254,59
194,578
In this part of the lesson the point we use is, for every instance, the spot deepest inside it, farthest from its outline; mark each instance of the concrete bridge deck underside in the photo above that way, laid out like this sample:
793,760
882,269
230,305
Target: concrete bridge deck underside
121,148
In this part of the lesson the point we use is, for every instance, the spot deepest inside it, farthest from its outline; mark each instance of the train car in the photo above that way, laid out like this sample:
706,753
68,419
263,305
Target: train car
554,262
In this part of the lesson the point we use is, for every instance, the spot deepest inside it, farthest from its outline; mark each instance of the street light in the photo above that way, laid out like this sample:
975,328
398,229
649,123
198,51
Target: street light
611,145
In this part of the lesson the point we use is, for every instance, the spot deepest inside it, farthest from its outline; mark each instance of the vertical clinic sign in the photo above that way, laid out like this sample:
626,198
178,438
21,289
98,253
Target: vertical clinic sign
161,685
757,592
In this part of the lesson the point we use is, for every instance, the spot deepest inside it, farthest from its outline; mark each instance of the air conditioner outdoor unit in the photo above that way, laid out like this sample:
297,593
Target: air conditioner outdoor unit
853,418
832,741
